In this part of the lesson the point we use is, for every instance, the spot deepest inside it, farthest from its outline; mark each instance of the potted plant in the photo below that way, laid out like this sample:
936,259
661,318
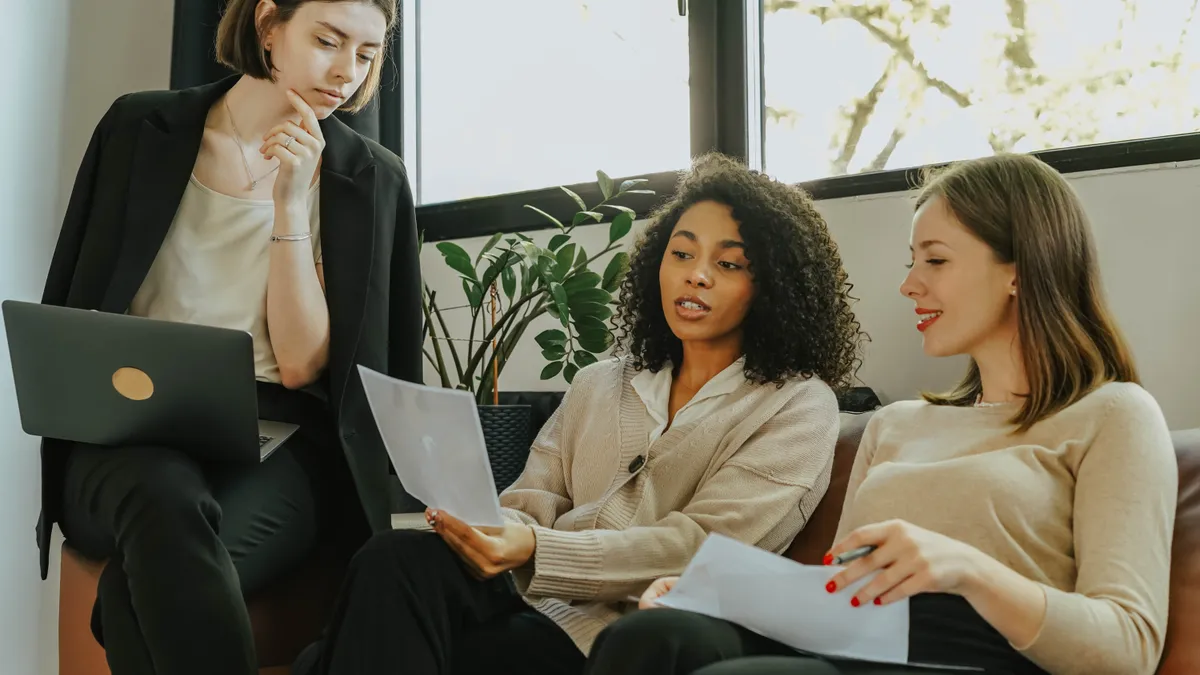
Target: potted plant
510,283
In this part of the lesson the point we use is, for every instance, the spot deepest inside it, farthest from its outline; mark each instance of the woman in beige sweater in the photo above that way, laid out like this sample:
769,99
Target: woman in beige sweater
1027,514
720,417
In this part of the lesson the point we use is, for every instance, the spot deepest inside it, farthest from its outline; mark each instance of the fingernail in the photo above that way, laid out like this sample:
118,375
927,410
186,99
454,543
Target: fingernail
828,560
854,602
878,601
831,586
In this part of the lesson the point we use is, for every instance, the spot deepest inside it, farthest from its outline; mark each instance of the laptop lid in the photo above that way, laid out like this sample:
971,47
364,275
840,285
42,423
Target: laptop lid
115,379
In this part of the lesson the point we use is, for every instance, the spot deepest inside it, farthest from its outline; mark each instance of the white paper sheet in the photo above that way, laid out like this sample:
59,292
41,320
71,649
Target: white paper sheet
787,602
435,442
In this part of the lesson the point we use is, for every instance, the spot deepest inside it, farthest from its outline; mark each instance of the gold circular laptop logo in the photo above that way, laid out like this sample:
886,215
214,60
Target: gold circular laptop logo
133,384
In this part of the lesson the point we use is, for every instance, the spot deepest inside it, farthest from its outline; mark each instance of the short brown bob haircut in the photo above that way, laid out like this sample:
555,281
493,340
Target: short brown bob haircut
1030,216
239,42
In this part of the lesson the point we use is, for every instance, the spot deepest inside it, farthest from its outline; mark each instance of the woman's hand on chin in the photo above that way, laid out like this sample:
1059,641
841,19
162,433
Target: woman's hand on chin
487,553
298,149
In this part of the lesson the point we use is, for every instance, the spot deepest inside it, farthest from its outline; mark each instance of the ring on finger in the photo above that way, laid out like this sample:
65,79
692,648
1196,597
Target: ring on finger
288,144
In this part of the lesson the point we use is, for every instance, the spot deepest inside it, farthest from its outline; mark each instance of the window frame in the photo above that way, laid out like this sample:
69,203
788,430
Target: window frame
726,104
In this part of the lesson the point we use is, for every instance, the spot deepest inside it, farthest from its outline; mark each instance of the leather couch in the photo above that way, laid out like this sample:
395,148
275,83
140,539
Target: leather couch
289,615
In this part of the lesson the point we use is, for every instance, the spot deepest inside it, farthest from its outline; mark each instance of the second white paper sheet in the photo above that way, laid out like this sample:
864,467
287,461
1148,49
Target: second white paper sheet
787,602
435,441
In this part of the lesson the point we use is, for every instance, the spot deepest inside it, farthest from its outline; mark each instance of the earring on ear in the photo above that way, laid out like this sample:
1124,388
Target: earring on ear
1013,292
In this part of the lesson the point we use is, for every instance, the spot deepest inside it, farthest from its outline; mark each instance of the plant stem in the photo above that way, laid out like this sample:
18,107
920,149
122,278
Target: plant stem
440,364
478,355
433,308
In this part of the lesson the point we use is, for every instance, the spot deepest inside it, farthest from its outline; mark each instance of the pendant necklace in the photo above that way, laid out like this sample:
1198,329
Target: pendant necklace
242,151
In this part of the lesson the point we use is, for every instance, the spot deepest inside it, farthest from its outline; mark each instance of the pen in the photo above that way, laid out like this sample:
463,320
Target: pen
850,556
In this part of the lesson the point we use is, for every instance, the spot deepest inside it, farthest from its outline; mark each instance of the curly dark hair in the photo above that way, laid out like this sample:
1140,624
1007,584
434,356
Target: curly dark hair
800,322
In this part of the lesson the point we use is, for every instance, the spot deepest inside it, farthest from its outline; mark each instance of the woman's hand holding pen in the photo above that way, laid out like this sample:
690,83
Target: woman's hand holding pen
487,554
298,147
909,559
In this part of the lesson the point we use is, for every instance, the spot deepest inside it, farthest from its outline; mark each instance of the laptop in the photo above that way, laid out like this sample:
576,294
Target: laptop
115,379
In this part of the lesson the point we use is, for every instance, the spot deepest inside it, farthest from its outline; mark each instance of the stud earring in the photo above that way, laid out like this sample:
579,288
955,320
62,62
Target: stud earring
1013,292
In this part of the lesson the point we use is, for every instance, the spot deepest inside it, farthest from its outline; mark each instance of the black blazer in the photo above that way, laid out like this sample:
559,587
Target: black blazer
126,193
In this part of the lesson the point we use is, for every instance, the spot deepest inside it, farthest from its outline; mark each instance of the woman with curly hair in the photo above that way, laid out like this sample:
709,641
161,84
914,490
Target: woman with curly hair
719,416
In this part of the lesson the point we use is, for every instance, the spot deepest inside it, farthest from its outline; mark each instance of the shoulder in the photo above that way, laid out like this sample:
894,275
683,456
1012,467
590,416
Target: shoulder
389,163
1121,409
615,371
808,395
129,110
356,150
1120,398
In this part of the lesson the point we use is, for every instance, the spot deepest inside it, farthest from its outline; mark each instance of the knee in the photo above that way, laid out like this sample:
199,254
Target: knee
659,630
166,496
400,550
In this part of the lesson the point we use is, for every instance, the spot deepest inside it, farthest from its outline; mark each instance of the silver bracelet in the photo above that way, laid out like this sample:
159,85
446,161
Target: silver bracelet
291,237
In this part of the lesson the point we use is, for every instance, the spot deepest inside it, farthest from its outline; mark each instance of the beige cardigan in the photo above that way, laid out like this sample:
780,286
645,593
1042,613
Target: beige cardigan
607,524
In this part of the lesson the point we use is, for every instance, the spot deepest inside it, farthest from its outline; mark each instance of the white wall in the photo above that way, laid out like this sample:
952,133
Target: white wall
75,58
1144,220
29,168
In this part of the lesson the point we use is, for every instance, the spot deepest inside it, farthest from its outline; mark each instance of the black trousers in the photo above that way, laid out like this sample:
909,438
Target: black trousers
409,607
943,630
187,540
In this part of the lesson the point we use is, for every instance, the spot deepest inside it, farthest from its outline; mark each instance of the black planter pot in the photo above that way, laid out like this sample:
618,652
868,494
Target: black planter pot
507,433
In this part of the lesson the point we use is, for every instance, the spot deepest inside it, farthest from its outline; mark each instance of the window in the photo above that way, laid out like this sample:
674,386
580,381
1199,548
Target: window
513,96
867,85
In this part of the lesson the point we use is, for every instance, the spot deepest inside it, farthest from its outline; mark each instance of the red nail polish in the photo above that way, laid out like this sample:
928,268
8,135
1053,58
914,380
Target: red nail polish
831,586
828,560
854,602
878,601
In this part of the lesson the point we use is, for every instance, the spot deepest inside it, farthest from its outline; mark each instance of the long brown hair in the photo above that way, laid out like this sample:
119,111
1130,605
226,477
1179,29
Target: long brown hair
1030,216
239,42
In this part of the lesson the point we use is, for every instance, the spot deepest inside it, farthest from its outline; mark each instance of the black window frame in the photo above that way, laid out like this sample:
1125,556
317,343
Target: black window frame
721,121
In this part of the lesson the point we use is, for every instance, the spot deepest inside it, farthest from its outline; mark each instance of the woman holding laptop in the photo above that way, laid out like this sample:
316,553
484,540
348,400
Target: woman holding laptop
719,416
246,205
1027,514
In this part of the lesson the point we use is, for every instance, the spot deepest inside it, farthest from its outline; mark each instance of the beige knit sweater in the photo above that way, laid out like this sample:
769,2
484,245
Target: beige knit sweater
753,470
1083,504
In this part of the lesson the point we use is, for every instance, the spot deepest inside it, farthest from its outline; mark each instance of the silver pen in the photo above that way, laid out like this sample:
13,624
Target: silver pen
850,556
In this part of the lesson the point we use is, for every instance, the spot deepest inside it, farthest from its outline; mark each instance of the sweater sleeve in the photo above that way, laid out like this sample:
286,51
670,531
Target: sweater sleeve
1125,498
752,497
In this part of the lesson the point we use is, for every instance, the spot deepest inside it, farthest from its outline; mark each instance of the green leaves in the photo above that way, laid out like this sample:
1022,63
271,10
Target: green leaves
560,301
535,280
615,272
508,278
491,243
577,198
581,281
584,216
632,182
557,241
547,216
457,259
620,227
606,184
564,261
550,338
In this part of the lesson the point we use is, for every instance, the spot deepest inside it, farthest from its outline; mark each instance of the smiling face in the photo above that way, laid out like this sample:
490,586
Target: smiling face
326,51
706,284
964,296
